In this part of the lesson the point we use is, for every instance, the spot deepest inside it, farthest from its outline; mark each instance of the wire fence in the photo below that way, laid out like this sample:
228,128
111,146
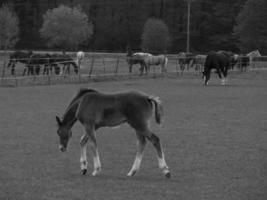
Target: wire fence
94,67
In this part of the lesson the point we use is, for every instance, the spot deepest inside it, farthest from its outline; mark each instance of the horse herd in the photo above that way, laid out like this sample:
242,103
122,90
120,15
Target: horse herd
59,64
220,61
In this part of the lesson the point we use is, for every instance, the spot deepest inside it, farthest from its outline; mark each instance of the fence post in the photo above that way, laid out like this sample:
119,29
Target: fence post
154,71
79,70
176,66
117,65
92,66
104,64
3,72
48,76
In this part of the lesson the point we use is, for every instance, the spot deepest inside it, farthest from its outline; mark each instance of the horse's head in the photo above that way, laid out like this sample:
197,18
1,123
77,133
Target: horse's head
64,134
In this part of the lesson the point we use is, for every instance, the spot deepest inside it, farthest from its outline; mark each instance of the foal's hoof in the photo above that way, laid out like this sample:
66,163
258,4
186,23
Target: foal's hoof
168,175
131,173
83,171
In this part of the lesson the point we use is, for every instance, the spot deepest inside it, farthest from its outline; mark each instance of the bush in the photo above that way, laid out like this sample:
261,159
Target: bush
66,27
155,37
9,29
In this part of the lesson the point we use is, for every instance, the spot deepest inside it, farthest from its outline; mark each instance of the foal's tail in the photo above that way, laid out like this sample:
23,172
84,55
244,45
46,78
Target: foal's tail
158,108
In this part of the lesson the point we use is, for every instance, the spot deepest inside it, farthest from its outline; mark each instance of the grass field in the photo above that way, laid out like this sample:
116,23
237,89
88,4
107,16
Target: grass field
214,137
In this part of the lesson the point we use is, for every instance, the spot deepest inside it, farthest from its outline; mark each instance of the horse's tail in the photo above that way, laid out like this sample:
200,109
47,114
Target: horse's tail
158,108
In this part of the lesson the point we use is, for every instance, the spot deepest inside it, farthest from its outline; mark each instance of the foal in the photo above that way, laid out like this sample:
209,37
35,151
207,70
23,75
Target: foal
95,110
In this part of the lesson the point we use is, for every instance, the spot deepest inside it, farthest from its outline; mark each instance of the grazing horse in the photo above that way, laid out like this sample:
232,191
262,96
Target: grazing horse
95,110
185,59
65,60
35,62
136,58
161,60
221,61
18,56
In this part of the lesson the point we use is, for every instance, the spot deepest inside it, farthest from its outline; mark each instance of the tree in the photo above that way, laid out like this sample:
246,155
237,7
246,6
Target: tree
251,26
155,37
66,27
9,30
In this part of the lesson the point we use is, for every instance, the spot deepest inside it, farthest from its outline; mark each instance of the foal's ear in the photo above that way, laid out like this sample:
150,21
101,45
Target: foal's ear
58,120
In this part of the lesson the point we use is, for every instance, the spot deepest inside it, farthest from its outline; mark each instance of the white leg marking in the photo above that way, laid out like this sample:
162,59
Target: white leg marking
136,165
83,159
163,166
97,164
141,142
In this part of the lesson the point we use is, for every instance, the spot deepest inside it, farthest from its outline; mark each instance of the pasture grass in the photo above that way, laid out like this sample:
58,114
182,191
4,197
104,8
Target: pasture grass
214,139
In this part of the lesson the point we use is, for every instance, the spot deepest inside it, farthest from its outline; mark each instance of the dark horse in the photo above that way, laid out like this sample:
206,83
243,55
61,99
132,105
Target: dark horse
35,62
186,60
95,110
136,58
65,60
221,61
19,56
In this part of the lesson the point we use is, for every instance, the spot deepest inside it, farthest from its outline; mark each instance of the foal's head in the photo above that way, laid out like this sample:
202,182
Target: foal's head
64,133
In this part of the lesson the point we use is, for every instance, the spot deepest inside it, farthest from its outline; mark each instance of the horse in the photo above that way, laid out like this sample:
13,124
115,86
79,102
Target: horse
185,60
66,61
18,56
35,62
221,61
95,109
252,55
161,60
136,58
79,57
50,64
199,62
243,62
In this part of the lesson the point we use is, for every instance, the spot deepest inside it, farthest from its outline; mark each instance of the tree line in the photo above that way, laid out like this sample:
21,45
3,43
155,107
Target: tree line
238,26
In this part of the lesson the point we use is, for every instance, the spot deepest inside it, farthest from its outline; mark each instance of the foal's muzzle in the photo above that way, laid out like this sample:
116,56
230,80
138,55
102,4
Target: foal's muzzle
62,148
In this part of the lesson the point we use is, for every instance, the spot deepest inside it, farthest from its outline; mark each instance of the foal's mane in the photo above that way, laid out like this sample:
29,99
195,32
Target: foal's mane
80,94
76,98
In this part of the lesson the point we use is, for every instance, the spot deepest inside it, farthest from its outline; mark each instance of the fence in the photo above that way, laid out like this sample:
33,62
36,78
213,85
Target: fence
96,67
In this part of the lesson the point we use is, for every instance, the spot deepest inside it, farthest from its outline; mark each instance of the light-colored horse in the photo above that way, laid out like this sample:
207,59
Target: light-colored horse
79,58
252,55
95,110
161,60
136,58
142,56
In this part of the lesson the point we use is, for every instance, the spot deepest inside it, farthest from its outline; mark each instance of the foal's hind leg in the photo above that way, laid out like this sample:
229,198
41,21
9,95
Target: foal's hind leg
142,136
89,136
161,159
141,142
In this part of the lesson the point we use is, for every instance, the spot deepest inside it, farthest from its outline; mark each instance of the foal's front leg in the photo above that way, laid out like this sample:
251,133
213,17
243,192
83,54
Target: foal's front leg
141,142
83,159
89,136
